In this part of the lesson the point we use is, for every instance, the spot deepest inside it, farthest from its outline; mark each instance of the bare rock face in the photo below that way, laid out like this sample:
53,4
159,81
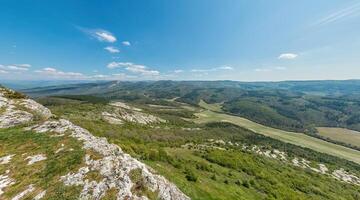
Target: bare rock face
12,115
111,118
113,167
123,112
36,107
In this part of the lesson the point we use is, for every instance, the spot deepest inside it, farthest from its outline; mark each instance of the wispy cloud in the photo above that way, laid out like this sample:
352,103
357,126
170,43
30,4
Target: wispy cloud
126,43
50,71
3,71
287,56
280,68
16,67
347,12
225,67
112,49
262,70
178,71
99,34
134,68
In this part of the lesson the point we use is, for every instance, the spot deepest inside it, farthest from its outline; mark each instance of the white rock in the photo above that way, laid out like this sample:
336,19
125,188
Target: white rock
345,176
19,196
111,118
40,195
36,107
123,105
60,149
5,181
124,112
12,117
35,158
6,159
323,168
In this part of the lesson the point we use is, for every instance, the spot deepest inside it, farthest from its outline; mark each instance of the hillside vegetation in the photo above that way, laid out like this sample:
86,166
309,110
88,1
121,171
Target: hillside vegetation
180,150
295,106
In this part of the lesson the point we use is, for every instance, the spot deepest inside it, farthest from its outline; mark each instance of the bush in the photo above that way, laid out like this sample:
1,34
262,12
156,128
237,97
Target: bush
14,95
246,184
190,175
238,182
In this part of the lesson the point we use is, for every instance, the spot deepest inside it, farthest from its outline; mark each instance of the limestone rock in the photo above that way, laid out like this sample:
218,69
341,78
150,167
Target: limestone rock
35,158
5,181
6,159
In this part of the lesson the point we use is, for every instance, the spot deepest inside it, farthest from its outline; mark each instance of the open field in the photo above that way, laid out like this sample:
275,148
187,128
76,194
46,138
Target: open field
214,106
340,134
299,139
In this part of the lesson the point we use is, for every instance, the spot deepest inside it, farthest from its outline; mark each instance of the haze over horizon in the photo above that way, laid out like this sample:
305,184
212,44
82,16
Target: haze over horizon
180,40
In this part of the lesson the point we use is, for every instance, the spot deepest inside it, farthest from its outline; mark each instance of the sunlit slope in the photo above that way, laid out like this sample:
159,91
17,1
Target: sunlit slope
340,134
299,139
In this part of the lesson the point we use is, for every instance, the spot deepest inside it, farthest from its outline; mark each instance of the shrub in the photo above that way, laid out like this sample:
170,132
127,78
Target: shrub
190,175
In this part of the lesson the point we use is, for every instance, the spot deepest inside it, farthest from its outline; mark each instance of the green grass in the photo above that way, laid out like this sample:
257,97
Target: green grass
341,135
234,174
45,174
299,139
230,174
213,107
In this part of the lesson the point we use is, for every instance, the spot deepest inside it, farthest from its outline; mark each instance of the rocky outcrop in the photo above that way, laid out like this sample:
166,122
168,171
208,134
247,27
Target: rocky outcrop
113,167
123,112
19,111
36,158
36,107
5,181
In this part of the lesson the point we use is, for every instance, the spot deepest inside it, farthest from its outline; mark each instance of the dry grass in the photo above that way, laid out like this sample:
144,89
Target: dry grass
340,134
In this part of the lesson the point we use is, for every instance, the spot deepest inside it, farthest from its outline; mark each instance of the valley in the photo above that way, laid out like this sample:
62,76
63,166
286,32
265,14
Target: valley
285,136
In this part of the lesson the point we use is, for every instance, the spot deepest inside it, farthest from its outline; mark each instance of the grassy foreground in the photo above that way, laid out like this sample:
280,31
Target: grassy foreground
299,139
44,175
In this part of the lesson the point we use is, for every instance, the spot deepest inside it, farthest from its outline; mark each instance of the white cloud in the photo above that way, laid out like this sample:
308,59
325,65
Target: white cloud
126,43
178,71
16,67
123,76
23,65
50,71
225,67
99,76
135,68
106,36
99,34
287,56
280,68
112,49
262,70
348,12
3,71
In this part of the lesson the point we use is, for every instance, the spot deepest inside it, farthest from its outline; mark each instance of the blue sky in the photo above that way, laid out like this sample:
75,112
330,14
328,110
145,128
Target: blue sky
181,40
